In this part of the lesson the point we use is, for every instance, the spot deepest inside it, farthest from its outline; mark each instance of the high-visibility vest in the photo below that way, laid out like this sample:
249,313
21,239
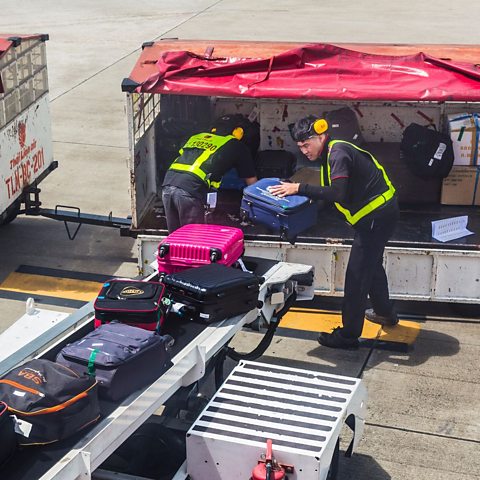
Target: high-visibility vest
373,204
209,143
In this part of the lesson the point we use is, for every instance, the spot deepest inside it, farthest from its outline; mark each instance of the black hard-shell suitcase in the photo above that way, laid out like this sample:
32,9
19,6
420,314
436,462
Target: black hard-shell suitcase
213,292
52,401
8,441
134,302
343,125
275,163
122,358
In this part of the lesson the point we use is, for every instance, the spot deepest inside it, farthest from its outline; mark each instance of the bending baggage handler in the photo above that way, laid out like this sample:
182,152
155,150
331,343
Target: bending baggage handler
353,180
203,161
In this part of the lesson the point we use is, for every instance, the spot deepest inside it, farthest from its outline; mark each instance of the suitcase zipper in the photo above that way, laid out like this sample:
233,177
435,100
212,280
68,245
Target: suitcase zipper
23,387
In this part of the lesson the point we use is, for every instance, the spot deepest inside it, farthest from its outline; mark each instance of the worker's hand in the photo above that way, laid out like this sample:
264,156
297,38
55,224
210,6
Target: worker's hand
284,189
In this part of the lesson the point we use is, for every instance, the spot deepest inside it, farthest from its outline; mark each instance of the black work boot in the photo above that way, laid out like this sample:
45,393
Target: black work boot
337,340
386,321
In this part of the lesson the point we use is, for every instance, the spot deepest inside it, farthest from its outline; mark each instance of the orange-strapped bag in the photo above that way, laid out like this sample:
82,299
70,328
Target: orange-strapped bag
50,401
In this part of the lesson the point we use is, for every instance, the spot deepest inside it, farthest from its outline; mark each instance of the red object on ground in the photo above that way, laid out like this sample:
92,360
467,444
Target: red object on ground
260,472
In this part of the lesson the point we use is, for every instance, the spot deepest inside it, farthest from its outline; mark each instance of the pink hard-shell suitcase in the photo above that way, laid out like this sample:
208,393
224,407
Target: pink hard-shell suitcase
195,245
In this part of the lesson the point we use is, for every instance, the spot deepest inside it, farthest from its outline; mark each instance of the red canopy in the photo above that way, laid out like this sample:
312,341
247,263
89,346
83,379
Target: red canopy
316,71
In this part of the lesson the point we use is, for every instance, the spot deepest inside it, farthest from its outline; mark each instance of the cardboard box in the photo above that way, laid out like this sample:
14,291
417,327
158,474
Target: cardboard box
461,187
464,131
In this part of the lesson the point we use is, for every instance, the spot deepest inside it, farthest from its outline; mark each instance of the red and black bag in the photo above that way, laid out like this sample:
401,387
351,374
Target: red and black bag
50,401
134,302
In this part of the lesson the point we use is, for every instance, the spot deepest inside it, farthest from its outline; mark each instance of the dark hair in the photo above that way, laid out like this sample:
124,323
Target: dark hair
303,129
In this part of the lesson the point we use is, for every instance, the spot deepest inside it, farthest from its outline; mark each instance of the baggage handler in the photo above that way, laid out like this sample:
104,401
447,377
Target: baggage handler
203,161
353,180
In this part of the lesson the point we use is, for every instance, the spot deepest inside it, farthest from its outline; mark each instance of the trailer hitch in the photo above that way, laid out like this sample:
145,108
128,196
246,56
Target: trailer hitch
70,214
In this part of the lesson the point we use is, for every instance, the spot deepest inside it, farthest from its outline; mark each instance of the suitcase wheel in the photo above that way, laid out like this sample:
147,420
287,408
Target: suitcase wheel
163,250
215,255
243,216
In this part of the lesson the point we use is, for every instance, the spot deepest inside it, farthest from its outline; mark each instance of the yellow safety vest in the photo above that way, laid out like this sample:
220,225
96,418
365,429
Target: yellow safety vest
209,143
374,203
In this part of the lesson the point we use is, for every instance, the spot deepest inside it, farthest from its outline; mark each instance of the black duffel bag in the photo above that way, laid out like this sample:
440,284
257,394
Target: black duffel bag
50,401
8,441
427,152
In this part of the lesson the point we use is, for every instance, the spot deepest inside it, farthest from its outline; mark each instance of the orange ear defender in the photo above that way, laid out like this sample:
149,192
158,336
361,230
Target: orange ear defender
238,133
320,126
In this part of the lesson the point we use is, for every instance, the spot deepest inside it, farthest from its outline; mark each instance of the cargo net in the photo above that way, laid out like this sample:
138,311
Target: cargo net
145,108
23,70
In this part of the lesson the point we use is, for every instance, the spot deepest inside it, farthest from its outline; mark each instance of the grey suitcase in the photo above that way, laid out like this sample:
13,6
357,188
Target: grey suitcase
121,357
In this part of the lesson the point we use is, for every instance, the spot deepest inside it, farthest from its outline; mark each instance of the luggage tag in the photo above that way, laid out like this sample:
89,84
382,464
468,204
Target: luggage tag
212,200
253,114
22,427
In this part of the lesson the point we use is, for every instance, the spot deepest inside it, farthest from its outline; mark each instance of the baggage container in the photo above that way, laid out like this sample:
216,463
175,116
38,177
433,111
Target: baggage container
199,244
213,292
120,357
25,125
287,216
277,83
134,302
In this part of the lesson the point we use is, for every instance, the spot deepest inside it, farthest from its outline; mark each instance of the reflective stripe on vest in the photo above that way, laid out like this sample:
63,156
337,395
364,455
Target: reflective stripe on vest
378,201
209,143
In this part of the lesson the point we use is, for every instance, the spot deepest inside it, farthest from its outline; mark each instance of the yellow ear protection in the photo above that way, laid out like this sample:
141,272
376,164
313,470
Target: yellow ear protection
320,126
214,130
238,133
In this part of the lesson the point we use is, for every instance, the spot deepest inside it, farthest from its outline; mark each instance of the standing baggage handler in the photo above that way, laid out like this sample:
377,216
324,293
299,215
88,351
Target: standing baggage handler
357,184
203,161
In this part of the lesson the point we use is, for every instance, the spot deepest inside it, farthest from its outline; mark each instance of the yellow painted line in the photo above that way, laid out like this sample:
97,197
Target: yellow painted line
318,321
51,286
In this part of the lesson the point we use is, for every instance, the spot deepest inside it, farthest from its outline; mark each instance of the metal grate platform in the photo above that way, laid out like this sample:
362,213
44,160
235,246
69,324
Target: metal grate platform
302,412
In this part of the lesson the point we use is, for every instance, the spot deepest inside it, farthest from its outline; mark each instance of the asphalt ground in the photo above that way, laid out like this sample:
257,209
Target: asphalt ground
423,408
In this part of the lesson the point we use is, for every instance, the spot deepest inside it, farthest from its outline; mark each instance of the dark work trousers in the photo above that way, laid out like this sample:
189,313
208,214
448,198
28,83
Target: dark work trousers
365,276
181,208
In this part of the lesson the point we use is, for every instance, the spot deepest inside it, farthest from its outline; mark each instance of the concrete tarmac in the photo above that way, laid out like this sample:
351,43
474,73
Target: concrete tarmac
423,409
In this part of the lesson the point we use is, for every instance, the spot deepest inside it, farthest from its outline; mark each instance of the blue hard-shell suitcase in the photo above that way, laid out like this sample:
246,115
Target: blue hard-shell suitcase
286,216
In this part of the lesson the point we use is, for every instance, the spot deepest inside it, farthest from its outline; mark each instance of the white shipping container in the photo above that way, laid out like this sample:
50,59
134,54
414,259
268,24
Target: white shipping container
26,149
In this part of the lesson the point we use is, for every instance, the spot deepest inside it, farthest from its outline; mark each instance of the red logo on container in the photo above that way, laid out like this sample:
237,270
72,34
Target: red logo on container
22,134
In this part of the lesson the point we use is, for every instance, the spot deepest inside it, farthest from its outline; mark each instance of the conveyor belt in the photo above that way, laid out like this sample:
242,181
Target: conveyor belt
195,344
32,462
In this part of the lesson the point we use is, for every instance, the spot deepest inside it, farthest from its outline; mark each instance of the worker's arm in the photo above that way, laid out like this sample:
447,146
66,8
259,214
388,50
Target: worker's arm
251,180
335,193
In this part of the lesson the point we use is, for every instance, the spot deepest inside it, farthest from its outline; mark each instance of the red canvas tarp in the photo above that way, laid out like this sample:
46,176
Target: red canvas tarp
314,71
